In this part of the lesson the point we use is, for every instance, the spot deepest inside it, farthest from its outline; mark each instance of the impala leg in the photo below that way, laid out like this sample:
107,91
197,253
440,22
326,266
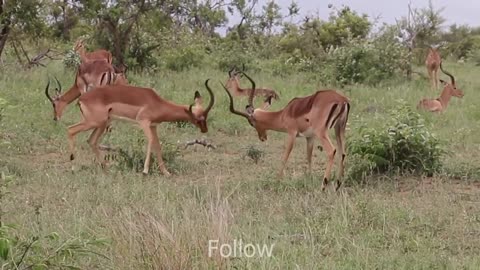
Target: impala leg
72,132
93,142
288,149
431,77
310,141
340,138
148,133
435,79
158,150
330,151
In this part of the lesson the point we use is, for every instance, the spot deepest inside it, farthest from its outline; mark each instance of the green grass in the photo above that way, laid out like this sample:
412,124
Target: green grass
156,222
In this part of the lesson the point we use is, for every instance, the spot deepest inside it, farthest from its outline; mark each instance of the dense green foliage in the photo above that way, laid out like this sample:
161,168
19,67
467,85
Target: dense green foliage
346,48
402,145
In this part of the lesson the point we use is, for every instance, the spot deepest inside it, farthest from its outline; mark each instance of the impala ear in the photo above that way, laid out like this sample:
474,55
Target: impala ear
442,81
267,102
197,98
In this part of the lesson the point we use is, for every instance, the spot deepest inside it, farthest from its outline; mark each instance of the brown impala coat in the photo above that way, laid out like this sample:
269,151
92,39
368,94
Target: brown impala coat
141,105
310,117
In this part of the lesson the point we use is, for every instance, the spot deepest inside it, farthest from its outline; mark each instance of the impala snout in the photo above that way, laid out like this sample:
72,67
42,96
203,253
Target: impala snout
262,135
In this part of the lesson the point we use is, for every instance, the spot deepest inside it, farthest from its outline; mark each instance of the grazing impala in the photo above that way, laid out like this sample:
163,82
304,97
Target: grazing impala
441,103
95,55
308,117
141,105
433,62
94,73
233,85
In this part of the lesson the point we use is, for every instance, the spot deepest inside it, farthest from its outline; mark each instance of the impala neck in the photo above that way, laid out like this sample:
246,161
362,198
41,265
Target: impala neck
173,112
270,120
445,98
72,94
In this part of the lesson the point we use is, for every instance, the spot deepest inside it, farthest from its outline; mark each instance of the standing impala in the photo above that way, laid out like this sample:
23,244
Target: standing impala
233,85
141,105
308,117
94,73
95,55
441,103
433,62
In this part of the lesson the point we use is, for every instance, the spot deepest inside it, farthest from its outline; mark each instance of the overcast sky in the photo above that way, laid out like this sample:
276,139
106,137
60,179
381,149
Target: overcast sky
456,11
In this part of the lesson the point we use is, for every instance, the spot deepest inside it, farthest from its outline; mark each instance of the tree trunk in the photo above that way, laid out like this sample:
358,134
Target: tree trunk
5,30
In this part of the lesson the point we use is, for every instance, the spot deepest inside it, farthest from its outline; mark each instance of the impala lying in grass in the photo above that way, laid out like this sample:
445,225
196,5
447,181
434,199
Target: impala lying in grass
310,117
233,85
440,104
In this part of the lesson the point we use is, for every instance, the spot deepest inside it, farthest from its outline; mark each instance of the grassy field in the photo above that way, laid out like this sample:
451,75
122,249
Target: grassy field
155,222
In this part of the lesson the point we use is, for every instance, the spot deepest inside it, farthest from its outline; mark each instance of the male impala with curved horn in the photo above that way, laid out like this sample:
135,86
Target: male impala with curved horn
141,105
95,73
233,85
95,55
308,117
433,62
441,103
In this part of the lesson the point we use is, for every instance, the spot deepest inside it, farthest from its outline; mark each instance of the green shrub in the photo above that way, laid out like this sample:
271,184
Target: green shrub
71,60
184,58
403,145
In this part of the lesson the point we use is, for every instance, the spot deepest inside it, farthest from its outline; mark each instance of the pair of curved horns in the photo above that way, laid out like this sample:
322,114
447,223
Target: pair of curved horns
58,90
452,79
234,68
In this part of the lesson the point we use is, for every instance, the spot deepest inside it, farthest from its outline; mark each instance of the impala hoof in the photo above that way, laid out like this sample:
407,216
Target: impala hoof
72,157
339,184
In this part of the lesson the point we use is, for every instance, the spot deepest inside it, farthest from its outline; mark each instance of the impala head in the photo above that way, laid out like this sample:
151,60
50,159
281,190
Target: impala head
120,75
234,76
451,87
58,105
79,46
249,113
198,115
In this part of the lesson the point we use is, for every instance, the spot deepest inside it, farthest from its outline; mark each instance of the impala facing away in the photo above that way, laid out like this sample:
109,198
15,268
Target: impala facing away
233,85
308,117
95,73
141,105
95,55
441,103
433,62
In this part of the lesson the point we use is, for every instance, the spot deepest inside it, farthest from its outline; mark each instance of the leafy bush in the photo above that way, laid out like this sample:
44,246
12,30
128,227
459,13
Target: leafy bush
184,58
402,145
362,61
71,60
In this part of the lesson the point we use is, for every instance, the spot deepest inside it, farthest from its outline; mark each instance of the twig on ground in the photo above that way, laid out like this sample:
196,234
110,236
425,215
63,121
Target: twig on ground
201,142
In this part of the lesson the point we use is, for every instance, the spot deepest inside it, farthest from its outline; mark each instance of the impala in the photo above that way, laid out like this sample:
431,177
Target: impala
233,85
433,62
141,105
94,72
308,117
441,103
95,55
